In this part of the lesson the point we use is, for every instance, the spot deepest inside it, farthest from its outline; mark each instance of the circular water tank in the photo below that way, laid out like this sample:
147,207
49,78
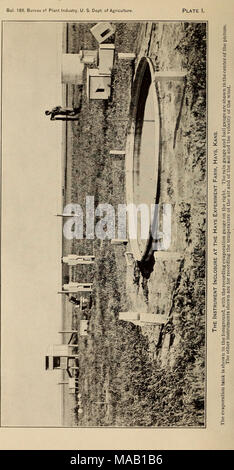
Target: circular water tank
143,156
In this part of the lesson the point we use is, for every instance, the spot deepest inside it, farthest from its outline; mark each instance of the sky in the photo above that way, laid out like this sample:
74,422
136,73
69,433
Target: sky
31,234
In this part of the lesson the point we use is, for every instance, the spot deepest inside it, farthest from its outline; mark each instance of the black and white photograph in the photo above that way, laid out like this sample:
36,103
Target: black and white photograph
104,173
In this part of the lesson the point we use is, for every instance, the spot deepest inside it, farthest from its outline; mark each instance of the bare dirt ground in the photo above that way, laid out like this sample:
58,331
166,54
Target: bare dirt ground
152,376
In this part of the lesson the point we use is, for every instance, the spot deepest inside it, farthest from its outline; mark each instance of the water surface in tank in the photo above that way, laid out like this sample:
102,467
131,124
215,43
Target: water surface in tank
146,152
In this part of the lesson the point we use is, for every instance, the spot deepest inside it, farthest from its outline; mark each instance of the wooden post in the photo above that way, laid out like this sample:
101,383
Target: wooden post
67,215
117,152
170,75
75,287
119,241
161,254
153,318
127,119
67,331
126,56
73,259
84,261
142,318
129,316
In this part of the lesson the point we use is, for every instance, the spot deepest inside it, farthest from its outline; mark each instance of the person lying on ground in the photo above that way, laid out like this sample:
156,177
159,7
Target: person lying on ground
62,113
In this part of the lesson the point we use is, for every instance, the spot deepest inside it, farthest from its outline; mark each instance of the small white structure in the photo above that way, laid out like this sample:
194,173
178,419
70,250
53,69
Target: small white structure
84,327
143,318
89,56
77,287
102,31
72,69
73,259
98,85
106,58
58,356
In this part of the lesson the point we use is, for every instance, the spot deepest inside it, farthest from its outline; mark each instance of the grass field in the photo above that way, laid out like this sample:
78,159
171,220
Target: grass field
152,376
